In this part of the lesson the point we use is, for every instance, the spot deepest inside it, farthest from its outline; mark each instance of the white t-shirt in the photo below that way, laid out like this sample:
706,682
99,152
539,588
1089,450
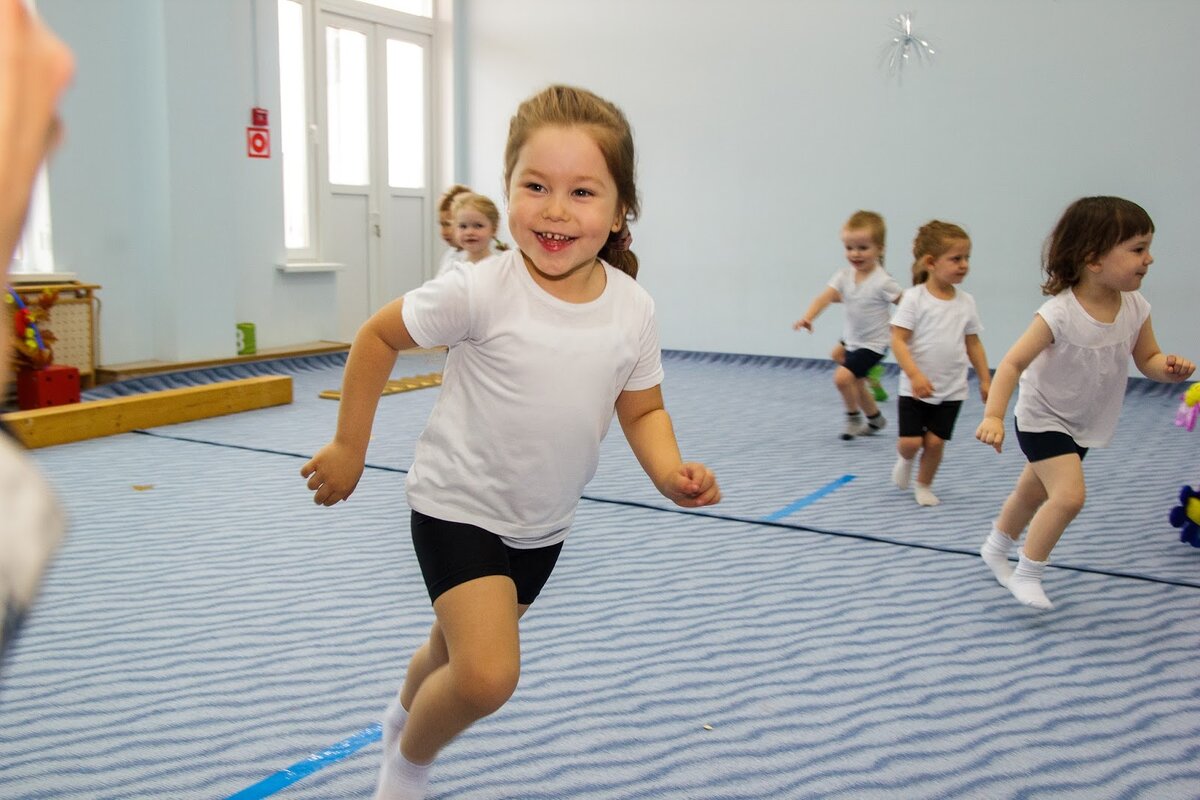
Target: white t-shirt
1077,385
450,259
528,393
866,321
938,344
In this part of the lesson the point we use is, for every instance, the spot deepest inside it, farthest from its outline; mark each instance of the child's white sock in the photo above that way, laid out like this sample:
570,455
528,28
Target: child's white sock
924,495
902,472
393,724
1026,583
995,554
400,779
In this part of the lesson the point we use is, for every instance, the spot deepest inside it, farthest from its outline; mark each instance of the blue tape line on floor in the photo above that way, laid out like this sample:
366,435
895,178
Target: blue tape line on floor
810,499
302,769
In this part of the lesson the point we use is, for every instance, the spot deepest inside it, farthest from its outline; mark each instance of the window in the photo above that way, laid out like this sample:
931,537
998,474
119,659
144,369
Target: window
406,114
419,8
298,191
346,87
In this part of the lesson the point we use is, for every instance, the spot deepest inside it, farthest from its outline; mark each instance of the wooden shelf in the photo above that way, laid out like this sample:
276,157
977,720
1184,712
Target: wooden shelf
108,373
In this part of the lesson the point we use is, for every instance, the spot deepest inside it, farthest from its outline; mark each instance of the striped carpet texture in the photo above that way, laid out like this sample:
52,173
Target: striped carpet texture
207,632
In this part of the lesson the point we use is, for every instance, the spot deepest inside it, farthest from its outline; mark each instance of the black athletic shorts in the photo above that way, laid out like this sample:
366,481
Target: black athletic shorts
917,418
451,553
860,361
1047,444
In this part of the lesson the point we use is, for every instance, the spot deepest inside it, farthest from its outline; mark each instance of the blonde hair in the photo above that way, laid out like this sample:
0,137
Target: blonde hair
872,223
934,238
567,106
1089,228
477,202
446,201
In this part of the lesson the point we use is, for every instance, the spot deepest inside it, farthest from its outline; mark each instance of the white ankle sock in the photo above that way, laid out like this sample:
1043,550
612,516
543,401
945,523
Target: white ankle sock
400,779
393,724
1026,583
902,472
924,495
995,554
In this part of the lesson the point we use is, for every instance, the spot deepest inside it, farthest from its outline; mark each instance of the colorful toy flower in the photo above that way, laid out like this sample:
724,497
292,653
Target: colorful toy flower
1186,516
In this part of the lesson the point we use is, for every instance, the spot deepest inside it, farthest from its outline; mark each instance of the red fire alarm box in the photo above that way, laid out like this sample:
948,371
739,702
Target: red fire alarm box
258,117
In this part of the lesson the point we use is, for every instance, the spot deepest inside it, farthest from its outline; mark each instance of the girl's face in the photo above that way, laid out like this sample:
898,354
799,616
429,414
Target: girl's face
474,233
952,266
562,203
447,224
862,251
1123,267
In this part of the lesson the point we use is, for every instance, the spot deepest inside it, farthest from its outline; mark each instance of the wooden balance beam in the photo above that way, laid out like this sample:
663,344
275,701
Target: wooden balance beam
42,427
394,386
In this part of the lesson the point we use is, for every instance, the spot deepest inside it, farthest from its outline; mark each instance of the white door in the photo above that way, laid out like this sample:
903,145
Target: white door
376,109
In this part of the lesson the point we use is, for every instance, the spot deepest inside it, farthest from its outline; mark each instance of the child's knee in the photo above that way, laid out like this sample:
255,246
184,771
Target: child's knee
844,378
486,687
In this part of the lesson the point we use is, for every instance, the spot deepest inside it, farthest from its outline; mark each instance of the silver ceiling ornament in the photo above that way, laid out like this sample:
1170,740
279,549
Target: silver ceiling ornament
905,45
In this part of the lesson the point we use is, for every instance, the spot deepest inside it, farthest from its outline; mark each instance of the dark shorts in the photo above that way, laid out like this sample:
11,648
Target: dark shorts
451,553
918,418
1047,444
860,361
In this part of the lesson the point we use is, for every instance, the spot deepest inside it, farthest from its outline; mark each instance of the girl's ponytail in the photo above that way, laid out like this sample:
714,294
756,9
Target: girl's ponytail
933,240
616,251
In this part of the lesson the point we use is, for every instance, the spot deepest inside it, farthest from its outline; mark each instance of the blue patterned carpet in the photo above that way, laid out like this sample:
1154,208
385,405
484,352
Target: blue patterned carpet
195,638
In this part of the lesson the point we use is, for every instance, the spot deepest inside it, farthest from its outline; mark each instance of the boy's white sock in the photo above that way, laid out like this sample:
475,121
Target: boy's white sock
902,472
393,724
400,779
1026,583
924,494
995,554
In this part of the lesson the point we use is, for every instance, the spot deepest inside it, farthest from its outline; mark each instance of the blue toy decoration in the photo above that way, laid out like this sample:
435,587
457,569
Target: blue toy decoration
1186,516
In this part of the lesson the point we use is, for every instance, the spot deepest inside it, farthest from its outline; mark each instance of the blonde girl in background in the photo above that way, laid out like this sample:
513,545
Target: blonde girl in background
1072,363
867,291
544,345
935,334
453,252
476,220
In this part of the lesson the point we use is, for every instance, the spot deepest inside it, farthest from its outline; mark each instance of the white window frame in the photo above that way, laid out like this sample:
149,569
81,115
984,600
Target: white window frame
310,258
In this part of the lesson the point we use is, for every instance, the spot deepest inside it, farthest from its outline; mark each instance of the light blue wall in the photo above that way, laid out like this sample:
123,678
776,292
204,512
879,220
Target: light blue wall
153,196
762,125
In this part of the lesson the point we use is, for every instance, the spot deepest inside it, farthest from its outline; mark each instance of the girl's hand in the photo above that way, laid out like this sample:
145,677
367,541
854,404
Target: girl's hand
921,387
984,388
991,431
692,486
1179,369
805,323
333,473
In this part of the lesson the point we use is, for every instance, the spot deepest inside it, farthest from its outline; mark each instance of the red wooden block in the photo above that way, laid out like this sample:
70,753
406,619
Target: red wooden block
54,385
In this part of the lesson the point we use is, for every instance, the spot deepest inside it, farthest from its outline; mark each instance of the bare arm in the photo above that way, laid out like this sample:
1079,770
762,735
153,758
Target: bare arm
830,295
921,387
35,68
1156,366
334,471
1037,337
651,436
978,358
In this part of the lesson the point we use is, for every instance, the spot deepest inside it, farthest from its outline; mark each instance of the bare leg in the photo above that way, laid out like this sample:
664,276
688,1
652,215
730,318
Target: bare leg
1024,501
847,386
1062,477
866,398
907,448
478,622
933,446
